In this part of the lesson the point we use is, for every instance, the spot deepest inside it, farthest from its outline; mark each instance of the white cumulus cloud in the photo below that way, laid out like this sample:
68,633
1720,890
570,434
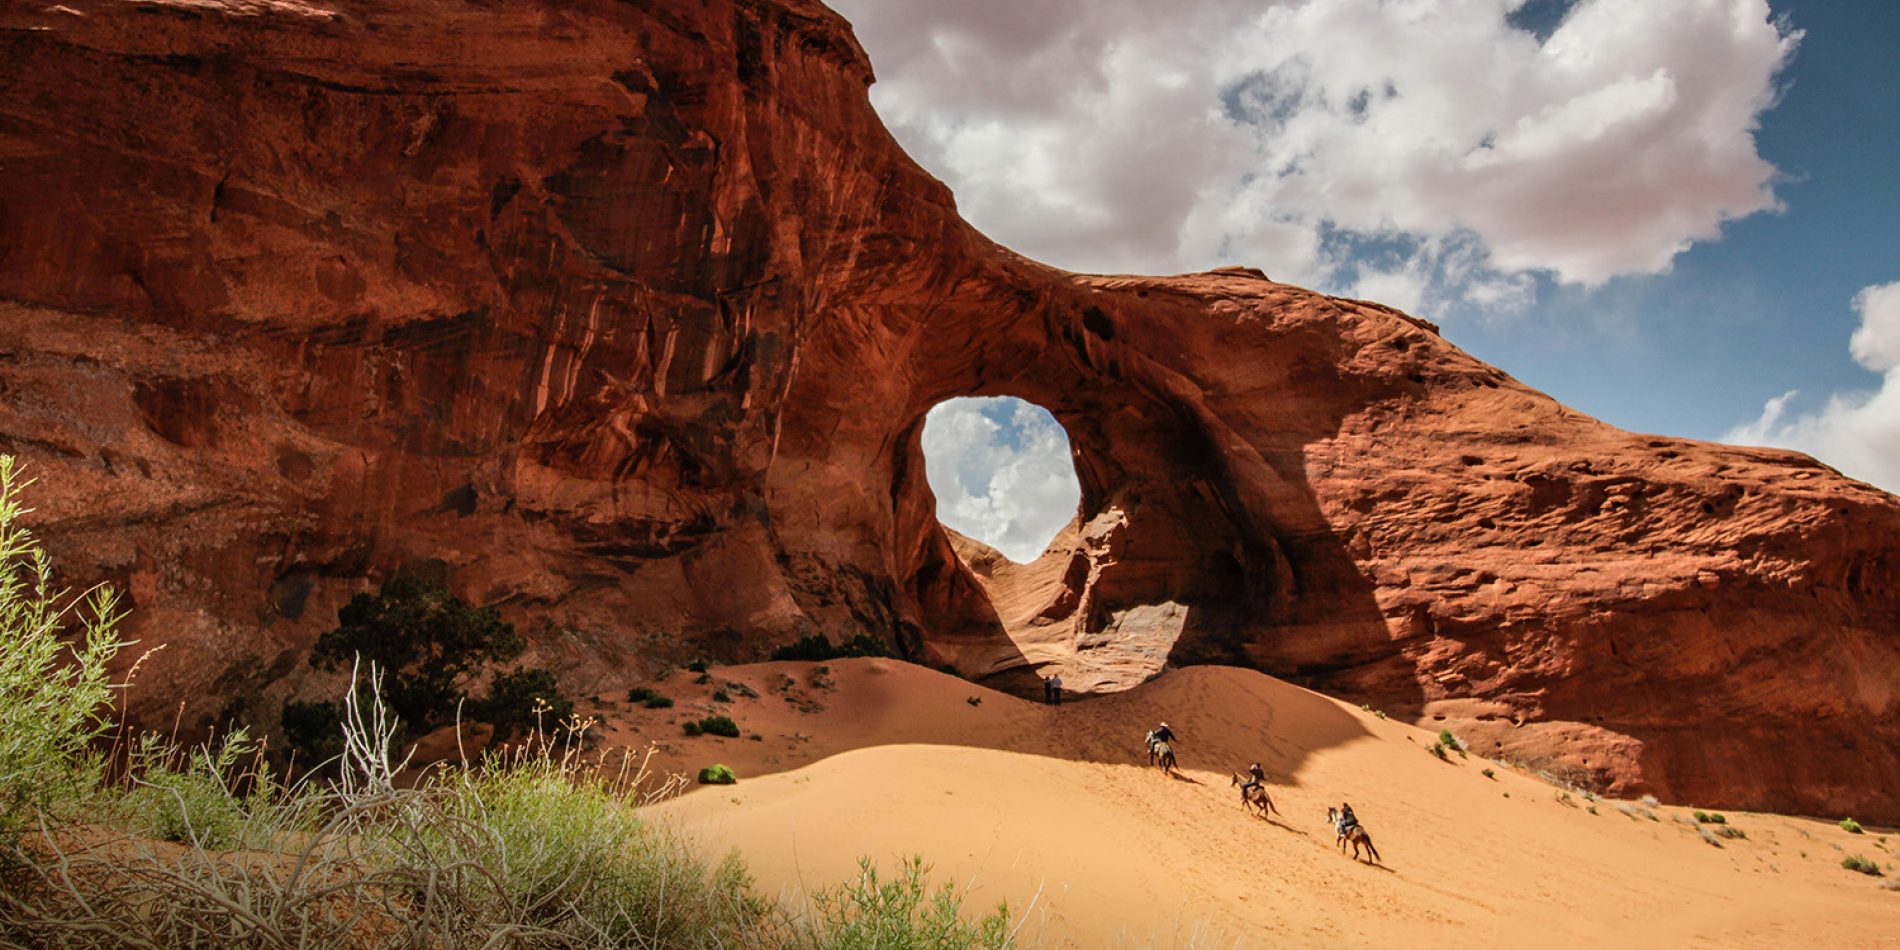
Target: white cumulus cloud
1128,135
1001,471
1856,432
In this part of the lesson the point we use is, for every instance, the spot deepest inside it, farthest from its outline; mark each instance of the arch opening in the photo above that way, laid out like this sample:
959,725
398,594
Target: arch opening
1003,473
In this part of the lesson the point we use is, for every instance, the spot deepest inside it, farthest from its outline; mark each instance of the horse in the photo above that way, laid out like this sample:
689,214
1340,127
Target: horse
1356,834
1255,798
1160,753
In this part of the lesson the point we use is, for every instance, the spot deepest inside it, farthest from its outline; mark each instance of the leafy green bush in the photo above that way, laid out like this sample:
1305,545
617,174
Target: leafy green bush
692,727
717,775
524,700
189,798
576,860
720,726
721,696
1711,818
314,729
1858,863
432,647
817,646
868,913
1850,826
54,691
650,698
430,643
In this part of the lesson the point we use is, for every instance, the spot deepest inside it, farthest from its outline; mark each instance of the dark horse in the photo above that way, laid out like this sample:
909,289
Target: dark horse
1160,753
1354,834
1255,798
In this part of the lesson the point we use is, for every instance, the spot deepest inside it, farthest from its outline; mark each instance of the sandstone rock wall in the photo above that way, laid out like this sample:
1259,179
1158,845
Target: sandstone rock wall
626,316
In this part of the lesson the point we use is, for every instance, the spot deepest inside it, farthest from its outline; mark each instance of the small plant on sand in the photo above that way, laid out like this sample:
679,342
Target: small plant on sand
717,775
1438,749
692,727
1711,818
1487,773
1730,831
720,726
1451,741
721,696
1858,863
1850,826
1592,809
869,912
651,699
1709,837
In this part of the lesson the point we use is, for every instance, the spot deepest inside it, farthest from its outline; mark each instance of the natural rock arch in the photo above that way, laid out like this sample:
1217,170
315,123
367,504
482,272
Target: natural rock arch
628,314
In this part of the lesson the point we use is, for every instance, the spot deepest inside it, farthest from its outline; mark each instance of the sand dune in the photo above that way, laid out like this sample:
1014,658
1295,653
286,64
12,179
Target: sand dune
1055,810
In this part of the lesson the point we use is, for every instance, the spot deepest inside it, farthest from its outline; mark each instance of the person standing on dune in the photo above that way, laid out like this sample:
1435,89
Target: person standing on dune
1055,689
1048,690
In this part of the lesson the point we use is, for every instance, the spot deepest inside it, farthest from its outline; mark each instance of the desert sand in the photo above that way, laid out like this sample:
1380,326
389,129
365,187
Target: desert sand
1055,810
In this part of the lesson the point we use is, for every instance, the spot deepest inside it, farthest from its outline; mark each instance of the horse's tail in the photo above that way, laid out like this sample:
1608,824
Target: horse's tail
1374,851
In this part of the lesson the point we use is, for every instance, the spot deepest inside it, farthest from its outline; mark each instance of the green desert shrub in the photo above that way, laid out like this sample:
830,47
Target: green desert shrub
720,726
1850,826
1711,818
523,700
433,648
566,854
55,692
692,727
717,775
187,798
1858,863
1487,773
721,696
651,699
1730,831
870,913
819,647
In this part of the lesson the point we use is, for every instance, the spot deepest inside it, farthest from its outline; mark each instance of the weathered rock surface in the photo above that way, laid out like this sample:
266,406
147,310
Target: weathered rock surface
626,316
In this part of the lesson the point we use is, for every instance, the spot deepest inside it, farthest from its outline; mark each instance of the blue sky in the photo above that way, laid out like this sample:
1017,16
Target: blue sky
1766,308
1676,216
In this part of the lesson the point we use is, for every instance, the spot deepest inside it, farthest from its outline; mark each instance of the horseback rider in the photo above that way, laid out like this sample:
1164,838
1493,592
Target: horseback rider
1347,821
1162,734
1259,778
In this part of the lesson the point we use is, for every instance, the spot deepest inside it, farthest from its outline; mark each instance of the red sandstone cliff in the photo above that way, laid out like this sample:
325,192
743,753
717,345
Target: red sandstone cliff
628,316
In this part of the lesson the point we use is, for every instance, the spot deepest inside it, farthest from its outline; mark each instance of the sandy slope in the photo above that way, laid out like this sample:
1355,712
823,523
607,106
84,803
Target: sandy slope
1057,806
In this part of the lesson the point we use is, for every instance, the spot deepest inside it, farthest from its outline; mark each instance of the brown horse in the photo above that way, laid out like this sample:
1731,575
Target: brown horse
1255,798
1356,834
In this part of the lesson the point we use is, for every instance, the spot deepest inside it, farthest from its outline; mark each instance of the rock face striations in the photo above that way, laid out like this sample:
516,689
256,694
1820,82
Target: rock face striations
626,317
